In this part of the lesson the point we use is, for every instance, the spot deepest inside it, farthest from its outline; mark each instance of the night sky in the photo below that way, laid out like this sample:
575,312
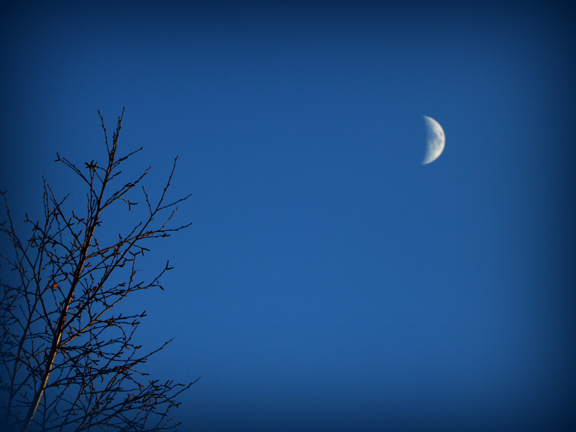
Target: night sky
330,281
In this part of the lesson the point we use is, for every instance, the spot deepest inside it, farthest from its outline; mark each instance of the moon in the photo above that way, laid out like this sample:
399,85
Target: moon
435,140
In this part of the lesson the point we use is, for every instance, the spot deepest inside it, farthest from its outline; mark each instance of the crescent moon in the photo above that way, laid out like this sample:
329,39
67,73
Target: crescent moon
435,140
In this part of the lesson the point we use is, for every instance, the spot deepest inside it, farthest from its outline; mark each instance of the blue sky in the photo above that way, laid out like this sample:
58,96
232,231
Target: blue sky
329,280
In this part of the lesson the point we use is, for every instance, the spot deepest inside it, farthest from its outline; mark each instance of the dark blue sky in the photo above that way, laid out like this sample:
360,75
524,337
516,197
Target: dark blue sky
329,280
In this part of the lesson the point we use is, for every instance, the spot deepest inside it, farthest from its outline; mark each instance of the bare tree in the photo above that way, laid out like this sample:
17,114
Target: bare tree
68,357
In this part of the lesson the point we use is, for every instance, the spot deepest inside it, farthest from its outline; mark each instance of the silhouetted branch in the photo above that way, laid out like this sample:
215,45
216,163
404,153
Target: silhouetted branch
67,357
